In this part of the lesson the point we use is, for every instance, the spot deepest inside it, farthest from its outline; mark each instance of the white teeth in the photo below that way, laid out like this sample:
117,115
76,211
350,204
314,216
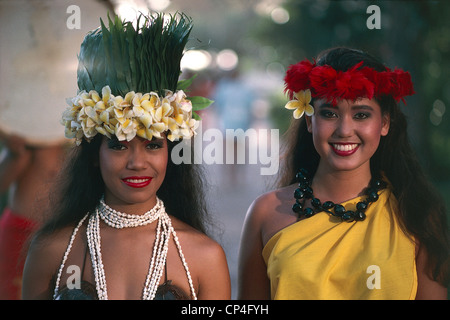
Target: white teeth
137,180
345,147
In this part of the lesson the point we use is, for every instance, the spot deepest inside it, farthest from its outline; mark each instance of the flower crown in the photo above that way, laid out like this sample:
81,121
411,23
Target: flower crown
144,115
136,71
305,80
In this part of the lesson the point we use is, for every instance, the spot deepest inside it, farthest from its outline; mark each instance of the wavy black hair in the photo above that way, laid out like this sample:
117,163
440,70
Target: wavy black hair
422,211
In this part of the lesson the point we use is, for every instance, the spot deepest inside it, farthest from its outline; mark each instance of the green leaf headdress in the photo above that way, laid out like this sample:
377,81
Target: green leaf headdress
136,70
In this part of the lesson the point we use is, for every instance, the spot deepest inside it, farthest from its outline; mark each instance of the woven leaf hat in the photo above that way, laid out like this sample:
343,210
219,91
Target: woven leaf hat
128,81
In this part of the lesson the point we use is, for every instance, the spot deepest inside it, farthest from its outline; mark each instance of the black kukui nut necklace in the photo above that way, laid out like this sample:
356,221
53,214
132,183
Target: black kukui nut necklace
304,192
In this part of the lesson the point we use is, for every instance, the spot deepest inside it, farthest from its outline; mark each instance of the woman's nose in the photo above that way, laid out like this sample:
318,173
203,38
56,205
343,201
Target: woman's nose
136,159
345,127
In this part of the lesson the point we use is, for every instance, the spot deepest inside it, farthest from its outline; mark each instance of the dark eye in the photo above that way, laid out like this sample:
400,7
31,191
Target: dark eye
154,145
114,144
362,115
327,114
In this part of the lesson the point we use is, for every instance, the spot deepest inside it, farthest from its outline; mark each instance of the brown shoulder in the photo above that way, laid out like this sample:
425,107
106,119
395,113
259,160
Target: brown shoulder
192,238
272,211
207,262
43,260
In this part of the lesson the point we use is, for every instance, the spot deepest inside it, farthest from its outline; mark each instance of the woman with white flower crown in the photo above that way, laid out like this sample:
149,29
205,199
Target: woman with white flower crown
127,223
354,216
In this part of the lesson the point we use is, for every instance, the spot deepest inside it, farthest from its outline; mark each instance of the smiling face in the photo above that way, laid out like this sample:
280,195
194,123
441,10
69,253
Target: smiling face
347,135
133,172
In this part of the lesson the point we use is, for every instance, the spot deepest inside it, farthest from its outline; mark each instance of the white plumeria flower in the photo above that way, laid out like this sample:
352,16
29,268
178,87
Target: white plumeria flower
145,115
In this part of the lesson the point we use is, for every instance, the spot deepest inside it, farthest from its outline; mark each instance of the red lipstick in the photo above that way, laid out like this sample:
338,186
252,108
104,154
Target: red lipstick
137,182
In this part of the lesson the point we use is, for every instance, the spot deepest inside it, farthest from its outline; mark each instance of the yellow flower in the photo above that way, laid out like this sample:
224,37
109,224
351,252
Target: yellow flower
301,104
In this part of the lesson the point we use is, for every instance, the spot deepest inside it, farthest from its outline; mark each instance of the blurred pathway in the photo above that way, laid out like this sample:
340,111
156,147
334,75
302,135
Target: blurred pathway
232,189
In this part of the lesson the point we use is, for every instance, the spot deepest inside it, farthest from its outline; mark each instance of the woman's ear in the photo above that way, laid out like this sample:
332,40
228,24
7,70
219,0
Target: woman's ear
308,123
385,124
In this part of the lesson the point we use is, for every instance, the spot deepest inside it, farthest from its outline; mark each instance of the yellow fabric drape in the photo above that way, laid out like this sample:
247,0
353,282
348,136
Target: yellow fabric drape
324,258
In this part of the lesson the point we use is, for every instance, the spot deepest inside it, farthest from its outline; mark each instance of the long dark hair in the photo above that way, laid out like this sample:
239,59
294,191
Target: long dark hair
422,211
81,187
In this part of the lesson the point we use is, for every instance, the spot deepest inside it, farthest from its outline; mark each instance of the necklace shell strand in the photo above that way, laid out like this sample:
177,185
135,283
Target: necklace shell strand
120,220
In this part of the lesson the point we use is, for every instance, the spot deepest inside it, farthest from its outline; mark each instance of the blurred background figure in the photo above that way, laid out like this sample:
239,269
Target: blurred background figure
233,106
233,100
38,62
26,175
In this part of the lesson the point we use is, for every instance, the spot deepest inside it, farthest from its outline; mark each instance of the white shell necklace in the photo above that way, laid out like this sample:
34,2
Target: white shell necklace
120,220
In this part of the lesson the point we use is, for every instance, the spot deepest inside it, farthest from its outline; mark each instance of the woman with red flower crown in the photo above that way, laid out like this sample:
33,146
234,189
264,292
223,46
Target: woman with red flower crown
354,217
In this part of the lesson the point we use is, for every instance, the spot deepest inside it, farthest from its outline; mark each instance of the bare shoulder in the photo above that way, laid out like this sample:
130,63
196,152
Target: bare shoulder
51,245
193,239
271,212
43,260
207,262
271,202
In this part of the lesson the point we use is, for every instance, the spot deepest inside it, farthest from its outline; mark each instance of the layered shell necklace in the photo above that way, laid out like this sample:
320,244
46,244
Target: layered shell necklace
119,220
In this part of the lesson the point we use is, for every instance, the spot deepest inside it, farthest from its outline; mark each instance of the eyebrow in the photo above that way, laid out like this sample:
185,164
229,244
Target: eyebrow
326,105
154,140
354,107
362,107
113,142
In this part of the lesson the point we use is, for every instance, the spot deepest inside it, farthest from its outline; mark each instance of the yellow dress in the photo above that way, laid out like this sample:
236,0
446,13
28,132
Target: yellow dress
324,258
